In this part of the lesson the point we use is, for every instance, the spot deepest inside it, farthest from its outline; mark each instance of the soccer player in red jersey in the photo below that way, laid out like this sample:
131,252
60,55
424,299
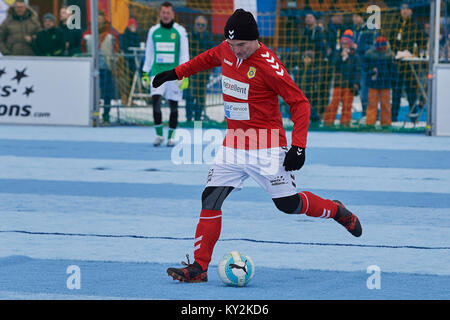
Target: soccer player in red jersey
255,144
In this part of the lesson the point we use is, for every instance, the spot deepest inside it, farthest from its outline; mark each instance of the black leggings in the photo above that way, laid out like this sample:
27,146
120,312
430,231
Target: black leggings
157,115
213,198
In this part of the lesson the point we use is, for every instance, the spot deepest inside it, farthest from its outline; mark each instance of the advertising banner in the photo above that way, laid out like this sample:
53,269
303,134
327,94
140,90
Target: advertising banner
47,91
441,101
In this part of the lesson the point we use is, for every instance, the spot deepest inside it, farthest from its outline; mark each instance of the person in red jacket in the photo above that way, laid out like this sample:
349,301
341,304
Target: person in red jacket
255,143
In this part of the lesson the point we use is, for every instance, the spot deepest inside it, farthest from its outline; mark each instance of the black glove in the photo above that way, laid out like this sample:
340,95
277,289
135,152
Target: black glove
162,77
295,158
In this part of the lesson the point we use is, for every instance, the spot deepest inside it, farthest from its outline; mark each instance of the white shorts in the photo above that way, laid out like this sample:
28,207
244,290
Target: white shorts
233,166
169,90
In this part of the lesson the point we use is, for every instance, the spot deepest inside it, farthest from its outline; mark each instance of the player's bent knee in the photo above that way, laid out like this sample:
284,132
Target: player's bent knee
290,204
213,197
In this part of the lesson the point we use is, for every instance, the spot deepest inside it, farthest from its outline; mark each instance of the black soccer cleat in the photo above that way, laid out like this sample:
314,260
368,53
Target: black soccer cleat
191,273
348,219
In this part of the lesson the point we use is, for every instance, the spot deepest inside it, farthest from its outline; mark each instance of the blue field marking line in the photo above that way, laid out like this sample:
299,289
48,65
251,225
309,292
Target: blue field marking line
67,234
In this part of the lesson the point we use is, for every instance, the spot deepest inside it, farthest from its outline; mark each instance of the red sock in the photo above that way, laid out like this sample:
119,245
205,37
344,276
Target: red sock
206,236
315,206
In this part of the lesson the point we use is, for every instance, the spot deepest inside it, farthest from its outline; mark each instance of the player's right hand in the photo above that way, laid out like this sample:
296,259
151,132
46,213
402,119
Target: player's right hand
183,83
295,158
162,77
145,80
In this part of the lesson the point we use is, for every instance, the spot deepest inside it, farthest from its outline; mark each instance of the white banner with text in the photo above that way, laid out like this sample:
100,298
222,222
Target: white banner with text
45,91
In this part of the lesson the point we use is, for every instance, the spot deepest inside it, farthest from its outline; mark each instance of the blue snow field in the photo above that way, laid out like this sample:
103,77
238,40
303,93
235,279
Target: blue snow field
122,211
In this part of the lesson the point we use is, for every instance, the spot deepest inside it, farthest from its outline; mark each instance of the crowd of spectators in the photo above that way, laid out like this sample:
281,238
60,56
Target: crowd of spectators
22,34
336,57
333,58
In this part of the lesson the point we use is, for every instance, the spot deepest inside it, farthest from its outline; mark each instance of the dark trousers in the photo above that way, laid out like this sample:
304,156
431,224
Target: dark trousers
157,114
195,96
106,91
405,80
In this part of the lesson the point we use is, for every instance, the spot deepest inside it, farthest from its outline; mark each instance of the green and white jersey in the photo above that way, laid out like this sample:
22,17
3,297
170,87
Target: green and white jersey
165,48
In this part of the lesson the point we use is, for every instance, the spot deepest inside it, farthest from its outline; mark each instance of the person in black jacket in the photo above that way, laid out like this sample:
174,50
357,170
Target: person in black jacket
364,39
313,38
307,76
130,38
72,36
381,74
407,39
50,41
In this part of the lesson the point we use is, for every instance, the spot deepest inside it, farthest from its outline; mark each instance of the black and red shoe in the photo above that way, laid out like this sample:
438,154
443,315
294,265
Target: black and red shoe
191,273
348,219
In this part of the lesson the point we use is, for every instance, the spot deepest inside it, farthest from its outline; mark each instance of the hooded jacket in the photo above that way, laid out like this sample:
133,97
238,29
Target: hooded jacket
13,31
347,73
381,68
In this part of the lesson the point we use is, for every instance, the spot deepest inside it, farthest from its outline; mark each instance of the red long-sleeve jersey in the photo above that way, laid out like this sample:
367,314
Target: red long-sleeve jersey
250,93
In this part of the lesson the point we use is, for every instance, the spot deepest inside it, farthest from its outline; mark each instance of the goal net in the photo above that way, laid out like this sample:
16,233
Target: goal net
363,66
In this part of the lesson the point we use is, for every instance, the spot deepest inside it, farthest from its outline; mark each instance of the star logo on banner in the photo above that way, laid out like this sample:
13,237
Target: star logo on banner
16,84
20,75
28,91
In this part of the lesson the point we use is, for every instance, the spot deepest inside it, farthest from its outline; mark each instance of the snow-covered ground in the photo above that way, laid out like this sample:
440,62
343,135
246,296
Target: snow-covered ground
107,201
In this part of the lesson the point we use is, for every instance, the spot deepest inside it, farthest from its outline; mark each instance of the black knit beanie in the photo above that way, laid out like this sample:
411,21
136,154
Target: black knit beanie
241,26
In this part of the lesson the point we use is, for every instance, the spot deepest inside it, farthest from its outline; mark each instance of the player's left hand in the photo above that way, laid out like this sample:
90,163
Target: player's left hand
162,77
295,158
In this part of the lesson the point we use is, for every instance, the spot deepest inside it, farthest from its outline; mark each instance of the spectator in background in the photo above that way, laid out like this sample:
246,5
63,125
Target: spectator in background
346,81
307,78
444,37
18,30
72,37
130,39
364,39
335,31
195,94
50,41
312,37
445,50
407,39
109,44
382,72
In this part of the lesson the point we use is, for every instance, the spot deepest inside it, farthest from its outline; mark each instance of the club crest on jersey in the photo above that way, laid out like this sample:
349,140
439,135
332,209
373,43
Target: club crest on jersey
172,36
251,72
